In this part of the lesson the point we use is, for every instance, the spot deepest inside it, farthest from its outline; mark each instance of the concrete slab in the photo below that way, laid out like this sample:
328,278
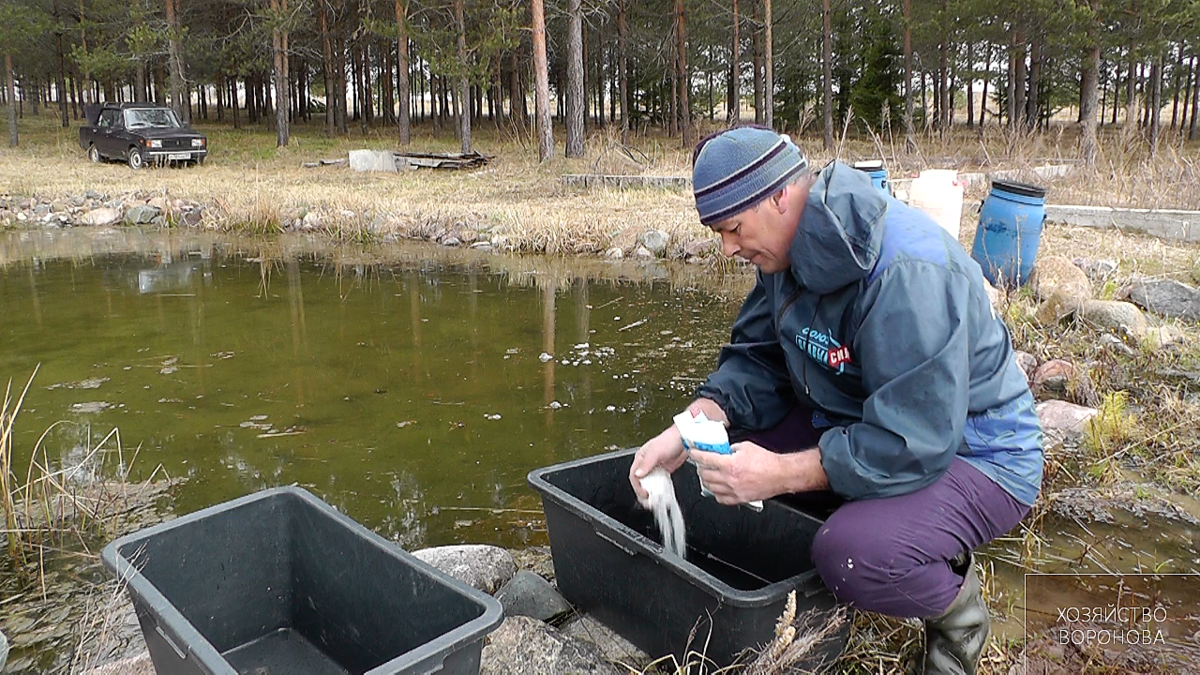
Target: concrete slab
1168,224
373,160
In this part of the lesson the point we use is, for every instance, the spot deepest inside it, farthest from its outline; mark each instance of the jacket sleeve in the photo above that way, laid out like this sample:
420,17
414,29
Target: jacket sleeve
751,383
913,348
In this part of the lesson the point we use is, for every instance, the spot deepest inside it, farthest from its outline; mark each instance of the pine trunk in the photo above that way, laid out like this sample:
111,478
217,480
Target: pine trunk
1156,76
970,87
541,93
987,70
685,110
404,88
575,95
769,66
1032,104
1175,86
908,75
182,107
622,69
464,85
943,86
327,70
827,71
1130,90
1192,126
758,63
1019,80
11,93
1089,85
733,102
280,73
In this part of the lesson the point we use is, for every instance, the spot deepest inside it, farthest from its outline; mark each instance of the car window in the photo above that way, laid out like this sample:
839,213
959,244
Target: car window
107,119
138,118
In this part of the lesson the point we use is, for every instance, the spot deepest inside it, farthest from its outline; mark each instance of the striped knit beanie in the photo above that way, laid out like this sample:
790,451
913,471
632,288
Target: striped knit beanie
738,168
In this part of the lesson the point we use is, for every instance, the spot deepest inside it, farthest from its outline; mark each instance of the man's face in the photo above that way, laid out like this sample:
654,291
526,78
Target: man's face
762,234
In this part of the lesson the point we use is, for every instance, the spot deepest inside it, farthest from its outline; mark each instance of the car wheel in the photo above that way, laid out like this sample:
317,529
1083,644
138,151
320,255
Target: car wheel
94,154
136,161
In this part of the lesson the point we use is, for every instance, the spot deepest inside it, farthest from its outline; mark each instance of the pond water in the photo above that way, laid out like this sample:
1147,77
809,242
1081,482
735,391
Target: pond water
412,393
411,386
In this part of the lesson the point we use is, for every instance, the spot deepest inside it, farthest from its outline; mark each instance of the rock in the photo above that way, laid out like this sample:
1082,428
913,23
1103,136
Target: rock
484,567
614,647
614,253
992,292
141,215
1028,363
92,194
467,236
525,646
501,242
1195,273
643,253
41,210
346,213
701,247
1166,297
3,651
482,245
373,160
1162,337
1055,309
58,206
312,220
655,241
134,665
194,217
1099,272
1063,421
1056,277
1053,376
451,241
528,594
1115,315
78,200
159,203
22,216
25,203
101,217
1116,344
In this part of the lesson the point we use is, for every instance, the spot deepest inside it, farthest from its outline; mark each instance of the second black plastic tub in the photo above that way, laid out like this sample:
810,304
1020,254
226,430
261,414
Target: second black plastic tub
726,596
280,582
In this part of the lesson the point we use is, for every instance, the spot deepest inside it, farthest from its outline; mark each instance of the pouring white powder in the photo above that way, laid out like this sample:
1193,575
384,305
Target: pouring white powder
665,507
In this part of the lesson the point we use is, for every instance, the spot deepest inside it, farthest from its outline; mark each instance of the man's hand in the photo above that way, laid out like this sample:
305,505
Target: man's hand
753,473
665,450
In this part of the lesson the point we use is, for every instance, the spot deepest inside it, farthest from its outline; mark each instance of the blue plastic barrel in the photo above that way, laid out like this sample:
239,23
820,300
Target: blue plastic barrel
874,169
1009,232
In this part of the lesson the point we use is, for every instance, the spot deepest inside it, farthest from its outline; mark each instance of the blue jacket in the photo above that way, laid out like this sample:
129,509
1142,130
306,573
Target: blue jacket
882,326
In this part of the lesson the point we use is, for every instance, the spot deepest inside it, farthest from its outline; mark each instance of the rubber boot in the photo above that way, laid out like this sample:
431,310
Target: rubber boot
955,640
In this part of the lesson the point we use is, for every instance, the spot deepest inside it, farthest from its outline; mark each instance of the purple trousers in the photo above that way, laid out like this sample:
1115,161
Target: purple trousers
892,555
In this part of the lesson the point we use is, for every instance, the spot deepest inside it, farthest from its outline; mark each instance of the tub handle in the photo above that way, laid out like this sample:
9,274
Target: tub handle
167,638
614,542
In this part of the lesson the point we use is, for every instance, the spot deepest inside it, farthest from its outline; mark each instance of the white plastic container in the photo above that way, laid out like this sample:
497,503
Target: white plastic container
939,193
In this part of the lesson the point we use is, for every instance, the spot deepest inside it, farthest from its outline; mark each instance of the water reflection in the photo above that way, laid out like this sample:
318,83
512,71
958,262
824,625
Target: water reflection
399,386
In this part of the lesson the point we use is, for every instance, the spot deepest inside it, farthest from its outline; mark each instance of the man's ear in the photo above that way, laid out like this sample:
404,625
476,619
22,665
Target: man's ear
779,200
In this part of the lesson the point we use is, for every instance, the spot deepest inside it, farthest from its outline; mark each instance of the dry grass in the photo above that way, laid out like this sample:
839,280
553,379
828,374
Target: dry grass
56,507
251,186
794,648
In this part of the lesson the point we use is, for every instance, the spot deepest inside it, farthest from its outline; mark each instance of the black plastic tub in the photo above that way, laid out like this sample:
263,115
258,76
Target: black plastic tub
280,582
730,590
